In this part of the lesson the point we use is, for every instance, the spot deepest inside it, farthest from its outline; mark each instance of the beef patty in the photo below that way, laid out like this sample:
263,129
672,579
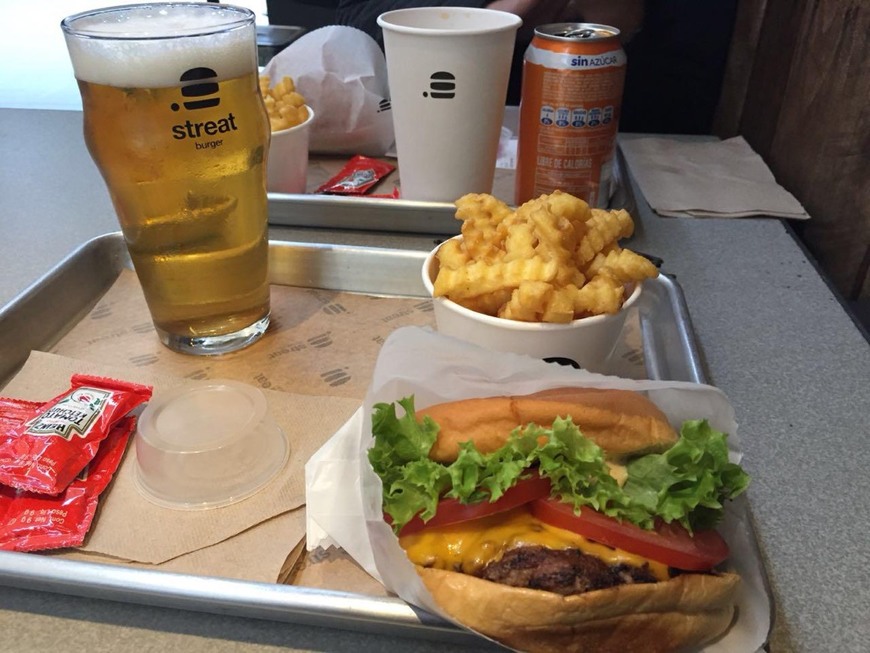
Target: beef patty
564,571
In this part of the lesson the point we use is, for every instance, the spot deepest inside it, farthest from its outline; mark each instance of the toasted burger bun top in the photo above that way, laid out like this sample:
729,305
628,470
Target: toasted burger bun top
621,422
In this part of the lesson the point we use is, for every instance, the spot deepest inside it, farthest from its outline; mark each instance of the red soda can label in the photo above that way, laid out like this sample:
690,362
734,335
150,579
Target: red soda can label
573,77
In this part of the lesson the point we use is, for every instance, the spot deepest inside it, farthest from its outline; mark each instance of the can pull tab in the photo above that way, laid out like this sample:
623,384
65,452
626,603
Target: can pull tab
581,33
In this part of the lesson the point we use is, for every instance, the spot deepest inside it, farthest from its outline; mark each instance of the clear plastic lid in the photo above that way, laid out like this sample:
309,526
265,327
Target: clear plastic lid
206,445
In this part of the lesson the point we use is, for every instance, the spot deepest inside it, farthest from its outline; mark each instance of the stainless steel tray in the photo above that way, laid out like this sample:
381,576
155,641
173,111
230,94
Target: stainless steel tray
405,216
43,313
362,213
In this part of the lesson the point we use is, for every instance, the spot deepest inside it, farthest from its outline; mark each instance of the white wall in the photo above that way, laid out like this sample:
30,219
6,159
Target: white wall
35,71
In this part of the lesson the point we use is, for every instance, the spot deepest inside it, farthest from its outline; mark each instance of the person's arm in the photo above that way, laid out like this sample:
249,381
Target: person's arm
363,14
625,15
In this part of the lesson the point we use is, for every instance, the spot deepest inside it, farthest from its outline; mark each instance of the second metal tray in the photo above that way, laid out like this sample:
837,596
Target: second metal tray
406,216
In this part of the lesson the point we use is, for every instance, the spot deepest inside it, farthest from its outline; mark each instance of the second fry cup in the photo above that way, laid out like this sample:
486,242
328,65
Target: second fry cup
287,169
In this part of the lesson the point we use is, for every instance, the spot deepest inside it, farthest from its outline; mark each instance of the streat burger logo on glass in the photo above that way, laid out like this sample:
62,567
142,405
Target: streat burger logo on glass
199,90
71,416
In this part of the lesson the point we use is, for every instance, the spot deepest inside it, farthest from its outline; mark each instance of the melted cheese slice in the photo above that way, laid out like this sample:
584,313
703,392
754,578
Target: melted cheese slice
618,472
470,546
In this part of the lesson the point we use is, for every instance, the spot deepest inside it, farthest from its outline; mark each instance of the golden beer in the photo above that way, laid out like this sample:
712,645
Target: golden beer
177,128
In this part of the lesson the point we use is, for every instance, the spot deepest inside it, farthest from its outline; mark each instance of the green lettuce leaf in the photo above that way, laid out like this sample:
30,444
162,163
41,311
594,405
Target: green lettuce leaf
688,483
411,481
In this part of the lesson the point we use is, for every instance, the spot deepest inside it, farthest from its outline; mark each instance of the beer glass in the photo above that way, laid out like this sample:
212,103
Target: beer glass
174,120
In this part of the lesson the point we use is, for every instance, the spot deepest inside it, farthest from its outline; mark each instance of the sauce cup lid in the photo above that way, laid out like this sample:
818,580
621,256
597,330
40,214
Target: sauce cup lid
206,445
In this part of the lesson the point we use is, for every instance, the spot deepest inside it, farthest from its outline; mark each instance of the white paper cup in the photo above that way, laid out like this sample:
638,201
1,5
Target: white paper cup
587,343
448,70
287,169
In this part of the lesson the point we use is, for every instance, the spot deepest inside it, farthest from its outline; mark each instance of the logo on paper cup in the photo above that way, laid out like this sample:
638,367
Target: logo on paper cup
442,86
561,360
200,83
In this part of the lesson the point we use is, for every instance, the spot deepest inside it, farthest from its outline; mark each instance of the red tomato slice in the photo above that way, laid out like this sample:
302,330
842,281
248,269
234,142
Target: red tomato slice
453,511
670,544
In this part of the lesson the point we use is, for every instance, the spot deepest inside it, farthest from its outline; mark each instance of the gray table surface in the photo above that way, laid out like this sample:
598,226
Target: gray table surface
772,335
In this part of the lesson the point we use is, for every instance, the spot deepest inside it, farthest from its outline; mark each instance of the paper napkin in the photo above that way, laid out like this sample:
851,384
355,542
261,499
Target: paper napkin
707,179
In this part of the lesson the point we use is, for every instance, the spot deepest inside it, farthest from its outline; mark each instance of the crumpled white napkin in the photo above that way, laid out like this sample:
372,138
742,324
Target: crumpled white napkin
707,179
342,73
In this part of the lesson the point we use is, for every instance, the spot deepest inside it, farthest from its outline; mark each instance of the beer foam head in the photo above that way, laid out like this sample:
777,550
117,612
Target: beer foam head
150,46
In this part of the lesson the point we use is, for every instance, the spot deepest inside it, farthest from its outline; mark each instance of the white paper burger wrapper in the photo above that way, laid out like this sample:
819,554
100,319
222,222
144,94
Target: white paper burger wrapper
342,73
343,494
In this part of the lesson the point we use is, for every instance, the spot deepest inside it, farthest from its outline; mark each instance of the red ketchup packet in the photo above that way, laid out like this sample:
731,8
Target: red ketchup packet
31,521
389,196
46,451
14,412
357,177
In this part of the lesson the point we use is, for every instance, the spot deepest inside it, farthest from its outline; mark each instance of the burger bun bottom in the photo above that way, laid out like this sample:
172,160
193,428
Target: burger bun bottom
674,615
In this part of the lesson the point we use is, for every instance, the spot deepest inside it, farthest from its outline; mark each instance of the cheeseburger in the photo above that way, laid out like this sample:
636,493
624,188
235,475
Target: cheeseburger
568,520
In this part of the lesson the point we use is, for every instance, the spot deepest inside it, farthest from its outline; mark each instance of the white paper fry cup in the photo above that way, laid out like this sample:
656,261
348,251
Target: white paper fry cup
287,169
587,342
448,70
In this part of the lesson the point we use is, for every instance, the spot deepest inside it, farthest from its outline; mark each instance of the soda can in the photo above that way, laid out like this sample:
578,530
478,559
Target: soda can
573,77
